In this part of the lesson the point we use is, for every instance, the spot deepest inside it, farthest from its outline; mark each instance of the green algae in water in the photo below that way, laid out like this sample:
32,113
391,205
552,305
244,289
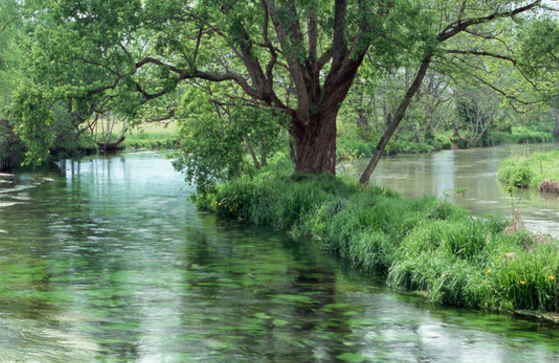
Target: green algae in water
112,264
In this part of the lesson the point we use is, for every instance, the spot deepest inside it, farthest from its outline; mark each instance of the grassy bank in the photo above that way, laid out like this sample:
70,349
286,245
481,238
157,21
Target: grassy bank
356,144
420,245
538,170
153,136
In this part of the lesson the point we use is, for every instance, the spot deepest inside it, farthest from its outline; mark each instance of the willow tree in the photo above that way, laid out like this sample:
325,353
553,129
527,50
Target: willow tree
299,57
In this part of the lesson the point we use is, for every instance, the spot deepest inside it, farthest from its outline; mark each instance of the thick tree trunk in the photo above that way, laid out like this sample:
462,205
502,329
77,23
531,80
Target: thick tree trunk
315,144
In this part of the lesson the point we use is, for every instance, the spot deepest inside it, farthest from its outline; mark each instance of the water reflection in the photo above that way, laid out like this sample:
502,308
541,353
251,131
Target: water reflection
111,263
440,174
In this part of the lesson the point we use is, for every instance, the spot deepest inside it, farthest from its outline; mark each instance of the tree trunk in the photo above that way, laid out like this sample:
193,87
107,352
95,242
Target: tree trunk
395,122
315,144
362,119
556,128
263,159
253,155
108,146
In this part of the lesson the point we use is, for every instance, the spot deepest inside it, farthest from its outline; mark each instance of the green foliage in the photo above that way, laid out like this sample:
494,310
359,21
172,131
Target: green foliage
215,141
522,135
138,59
530,171
146,140
12,152
513,172
33,118
419,245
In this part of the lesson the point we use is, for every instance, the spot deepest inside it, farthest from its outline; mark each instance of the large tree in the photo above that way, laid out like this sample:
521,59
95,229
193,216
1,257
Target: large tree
299,57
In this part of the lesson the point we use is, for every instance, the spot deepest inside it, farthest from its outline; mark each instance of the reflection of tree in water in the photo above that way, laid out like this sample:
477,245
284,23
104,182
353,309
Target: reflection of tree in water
79,240
324,319
50,291
122,279
261,299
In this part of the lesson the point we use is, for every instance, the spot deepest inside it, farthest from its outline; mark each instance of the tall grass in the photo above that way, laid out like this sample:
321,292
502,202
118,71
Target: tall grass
522,135
531,170
420,245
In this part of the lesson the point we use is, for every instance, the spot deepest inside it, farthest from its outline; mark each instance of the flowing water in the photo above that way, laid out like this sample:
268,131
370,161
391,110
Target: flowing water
473,173
108,261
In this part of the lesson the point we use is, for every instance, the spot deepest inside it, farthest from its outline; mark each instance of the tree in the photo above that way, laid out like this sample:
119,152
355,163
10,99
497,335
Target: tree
217,135
298,57
460,23
539,47
11,150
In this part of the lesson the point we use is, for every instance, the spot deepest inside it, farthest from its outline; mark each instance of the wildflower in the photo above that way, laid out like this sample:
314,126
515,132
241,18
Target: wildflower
522,282
230,209
218,203
551,278
488,271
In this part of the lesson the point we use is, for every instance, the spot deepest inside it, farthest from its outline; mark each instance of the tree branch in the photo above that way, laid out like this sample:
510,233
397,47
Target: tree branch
458,26
398,117
482,53
339,43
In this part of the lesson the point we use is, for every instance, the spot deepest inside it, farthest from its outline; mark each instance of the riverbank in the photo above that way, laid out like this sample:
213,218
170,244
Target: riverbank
423,245
538,171
356,146
152,136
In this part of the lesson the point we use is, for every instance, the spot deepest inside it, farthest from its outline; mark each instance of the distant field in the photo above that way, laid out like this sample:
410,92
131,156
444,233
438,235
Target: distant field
150,136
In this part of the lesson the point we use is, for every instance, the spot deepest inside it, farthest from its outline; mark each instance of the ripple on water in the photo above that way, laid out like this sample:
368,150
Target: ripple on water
18,188
7,204
21,196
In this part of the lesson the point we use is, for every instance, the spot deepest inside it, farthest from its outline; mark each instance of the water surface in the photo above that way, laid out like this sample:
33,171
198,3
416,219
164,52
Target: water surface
474,170
108,261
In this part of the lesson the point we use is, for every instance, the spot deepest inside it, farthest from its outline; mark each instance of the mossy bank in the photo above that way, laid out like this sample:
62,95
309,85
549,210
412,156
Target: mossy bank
422,245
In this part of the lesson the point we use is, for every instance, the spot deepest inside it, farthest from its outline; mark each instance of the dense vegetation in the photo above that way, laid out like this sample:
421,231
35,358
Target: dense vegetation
537,170
421,245
320,81
263,76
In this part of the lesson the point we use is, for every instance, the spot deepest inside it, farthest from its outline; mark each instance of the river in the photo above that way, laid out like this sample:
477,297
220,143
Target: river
109,261
475,172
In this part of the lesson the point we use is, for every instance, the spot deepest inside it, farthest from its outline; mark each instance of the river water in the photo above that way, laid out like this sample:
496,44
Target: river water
108,261
475,172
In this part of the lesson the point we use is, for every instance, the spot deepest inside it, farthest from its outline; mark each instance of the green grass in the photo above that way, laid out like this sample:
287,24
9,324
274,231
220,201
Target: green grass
530,171
522,135
148,136
153,136
420,245
353,144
